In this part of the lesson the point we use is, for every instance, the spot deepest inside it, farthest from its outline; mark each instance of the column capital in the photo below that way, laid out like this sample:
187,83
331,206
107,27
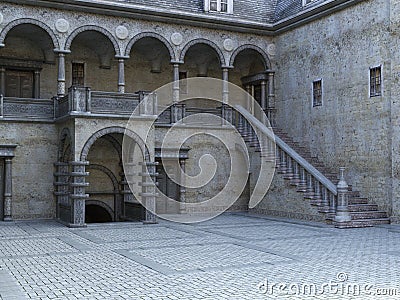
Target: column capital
62,51
177,62
122,57
227,67
270,72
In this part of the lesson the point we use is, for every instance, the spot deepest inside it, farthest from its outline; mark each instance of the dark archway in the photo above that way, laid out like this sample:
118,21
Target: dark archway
96,214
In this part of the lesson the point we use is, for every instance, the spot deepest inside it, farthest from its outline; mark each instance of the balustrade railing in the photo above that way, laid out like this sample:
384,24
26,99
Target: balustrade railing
26,109
315,186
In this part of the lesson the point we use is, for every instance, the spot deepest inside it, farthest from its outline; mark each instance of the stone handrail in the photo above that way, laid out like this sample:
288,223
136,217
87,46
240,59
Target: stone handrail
329,185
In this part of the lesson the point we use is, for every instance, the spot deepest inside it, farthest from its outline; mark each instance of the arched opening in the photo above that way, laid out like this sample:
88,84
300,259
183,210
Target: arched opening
96,214
91,65
27,63
249,72
200,60
149,66
108,184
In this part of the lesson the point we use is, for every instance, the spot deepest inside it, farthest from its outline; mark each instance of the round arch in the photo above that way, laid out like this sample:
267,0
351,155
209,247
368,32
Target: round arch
106,171
264,55
154,35
103,205
30,21
65,140
115,129
205,42
99,29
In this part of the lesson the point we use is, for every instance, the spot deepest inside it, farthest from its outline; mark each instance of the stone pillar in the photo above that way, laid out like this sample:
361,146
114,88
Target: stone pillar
271,98
36,80
8,189
121,74
61,73
182,191
263,95
78,195
61,186
342,210
149,191
175,93
3,81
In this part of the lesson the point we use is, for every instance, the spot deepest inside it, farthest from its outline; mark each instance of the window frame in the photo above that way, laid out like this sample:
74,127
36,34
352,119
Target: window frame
314,101
72,73
220,5
373,84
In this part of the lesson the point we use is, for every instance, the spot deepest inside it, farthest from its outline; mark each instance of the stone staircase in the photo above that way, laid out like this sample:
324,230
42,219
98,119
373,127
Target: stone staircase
363,214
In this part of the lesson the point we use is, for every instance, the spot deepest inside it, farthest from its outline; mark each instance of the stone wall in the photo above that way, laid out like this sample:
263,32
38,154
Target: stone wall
350,129
32,168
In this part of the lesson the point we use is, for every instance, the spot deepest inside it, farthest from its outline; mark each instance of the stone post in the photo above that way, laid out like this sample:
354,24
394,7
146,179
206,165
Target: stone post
175,93
8,189
271,97
263,95
61,73
78,195
149,191
36,80
182,190
121,74
3,81
342,210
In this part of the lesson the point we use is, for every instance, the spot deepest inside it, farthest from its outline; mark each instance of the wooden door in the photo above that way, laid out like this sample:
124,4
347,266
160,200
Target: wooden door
19,84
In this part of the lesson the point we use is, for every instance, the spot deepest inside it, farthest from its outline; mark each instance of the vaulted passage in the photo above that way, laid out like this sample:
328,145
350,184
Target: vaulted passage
96,214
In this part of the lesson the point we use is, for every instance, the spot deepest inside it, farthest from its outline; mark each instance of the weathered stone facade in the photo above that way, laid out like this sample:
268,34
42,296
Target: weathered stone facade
100,60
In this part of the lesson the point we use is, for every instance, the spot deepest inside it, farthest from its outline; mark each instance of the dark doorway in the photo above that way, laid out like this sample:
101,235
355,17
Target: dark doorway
168,188
96,214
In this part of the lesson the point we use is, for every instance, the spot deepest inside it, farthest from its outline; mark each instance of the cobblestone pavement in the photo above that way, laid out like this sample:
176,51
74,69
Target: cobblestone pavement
235,256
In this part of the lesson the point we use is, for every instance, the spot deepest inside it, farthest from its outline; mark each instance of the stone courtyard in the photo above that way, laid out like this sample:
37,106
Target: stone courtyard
234,256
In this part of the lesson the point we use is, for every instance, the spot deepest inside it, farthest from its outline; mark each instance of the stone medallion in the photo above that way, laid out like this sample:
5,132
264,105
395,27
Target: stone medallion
176,38
1,18
121,32
229,45
62,25
271,49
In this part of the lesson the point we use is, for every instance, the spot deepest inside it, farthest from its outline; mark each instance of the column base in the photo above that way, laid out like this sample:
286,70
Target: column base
8,219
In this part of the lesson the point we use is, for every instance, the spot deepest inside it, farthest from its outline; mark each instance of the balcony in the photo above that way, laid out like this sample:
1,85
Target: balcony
83,102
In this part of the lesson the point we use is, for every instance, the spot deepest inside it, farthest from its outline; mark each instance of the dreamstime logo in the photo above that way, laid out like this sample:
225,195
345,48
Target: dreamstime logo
339,286
207,110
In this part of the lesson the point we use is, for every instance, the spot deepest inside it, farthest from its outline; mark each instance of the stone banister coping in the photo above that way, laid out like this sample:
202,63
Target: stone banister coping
288,150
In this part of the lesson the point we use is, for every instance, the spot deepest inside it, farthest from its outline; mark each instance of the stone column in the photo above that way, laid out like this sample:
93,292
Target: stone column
78,195
36,80
271,97
8,189
342,210
182,196
263,95
3,81
149,191
61,73
175,93
121,74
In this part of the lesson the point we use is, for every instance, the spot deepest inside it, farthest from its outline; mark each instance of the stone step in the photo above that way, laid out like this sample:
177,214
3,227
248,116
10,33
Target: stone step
358,200
362,207
368,215
362,223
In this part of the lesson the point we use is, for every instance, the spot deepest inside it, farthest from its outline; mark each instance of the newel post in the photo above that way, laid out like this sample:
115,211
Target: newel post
342,211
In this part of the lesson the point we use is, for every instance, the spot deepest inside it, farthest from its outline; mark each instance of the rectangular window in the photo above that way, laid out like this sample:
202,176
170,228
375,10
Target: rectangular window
225,6
213,5
375,81
183,84
317,93
78,74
